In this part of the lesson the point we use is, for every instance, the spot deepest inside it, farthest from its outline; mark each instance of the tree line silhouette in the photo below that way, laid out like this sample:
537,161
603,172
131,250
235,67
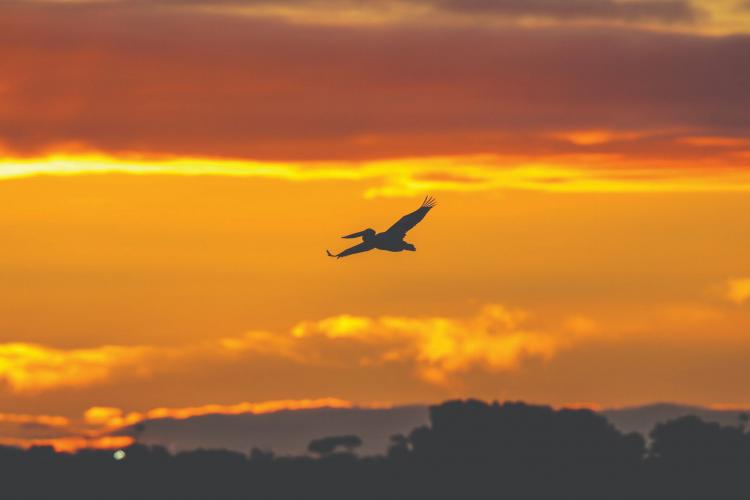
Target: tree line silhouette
470,449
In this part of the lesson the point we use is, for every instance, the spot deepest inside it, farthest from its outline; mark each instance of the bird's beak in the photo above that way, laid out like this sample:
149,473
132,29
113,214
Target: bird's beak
354,235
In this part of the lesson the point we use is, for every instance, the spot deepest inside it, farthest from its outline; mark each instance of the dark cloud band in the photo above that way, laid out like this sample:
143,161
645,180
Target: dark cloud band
138,78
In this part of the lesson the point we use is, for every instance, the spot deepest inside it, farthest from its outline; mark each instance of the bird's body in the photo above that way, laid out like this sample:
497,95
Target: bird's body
391,240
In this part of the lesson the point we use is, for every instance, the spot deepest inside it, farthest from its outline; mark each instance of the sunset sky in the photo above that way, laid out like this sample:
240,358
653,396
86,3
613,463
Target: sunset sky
172,171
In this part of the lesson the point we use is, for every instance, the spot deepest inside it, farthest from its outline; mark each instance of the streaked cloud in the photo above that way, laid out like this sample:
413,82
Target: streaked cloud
709,141
414,176
110,417
44,420
368,12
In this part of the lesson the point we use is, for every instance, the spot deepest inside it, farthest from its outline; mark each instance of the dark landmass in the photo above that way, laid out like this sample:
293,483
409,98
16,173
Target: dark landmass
290,432
469,449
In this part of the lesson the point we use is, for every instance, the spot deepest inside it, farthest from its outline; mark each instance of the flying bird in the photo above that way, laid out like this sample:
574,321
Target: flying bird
391,240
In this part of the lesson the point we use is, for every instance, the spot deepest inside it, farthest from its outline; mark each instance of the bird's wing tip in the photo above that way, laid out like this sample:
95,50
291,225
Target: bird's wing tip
429,202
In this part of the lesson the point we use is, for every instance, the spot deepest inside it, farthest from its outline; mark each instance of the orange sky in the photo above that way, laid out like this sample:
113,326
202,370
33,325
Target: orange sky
172,172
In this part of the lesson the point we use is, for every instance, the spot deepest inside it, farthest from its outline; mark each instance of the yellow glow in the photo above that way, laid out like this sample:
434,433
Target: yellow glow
739,290
342,326
101,415
414,176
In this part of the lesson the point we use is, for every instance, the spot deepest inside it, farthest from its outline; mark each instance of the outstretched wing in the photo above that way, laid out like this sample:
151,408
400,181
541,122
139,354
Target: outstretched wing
362,247
408,221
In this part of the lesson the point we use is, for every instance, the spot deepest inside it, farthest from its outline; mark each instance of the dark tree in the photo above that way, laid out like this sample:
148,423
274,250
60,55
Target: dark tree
743,417
690,439
328,445
260,455
399,447
512,432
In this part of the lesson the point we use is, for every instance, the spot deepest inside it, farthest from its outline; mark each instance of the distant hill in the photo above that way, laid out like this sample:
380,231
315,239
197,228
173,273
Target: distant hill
289,432
284,432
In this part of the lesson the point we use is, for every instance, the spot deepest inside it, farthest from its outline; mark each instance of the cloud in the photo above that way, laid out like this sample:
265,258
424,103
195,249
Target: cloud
134,77
42,420
336,12
263,344
19,429
738,290
31,368
598,136
439,348
720,142
102,415
414,176
666,10
71,444
451,12
109,417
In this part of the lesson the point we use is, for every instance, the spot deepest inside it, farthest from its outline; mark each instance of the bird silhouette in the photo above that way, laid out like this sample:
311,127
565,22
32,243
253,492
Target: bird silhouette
391,240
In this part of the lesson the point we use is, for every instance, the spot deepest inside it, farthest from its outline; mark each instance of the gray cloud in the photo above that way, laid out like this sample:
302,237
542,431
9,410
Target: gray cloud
609,10
564,10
